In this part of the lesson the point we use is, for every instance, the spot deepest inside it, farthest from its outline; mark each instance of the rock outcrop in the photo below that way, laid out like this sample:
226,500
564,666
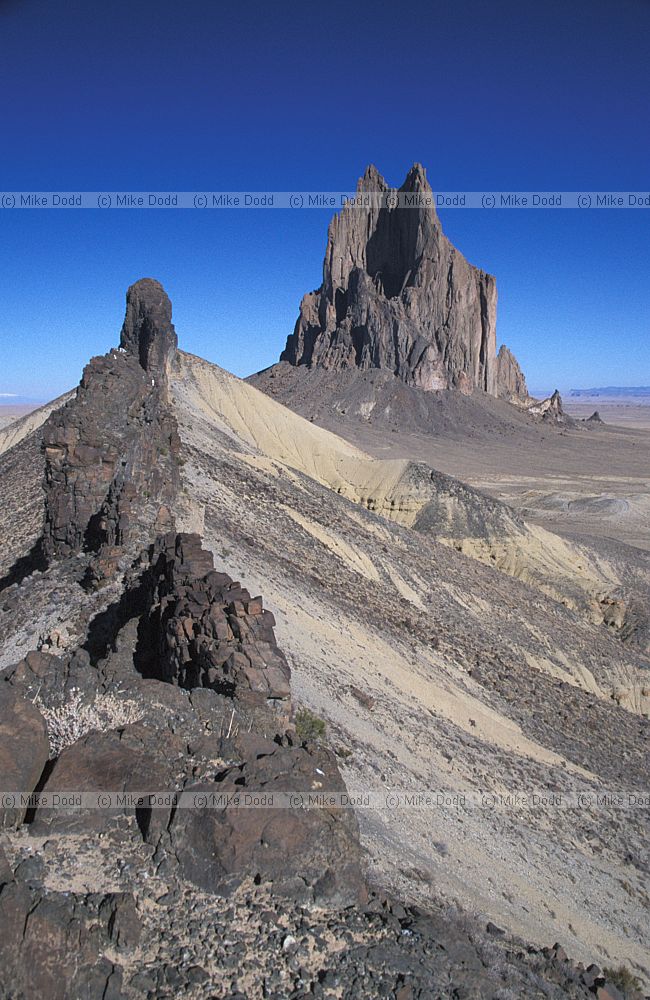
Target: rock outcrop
511,381
550,410
110,454
52,943
397,295
218,847
205,630
148,332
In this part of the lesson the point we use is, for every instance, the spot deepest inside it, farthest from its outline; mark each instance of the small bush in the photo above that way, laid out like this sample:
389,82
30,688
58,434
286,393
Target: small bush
68,723
623,979
309,726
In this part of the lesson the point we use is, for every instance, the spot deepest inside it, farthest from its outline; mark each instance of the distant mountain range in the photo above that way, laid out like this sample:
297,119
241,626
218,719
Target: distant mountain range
613,390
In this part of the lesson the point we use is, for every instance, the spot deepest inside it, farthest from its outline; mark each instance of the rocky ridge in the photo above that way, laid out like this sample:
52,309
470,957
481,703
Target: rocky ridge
193,656
511,381
111,474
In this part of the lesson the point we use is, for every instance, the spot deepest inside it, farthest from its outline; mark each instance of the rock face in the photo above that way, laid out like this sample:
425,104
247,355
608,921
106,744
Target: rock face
397,295
102,762
52,944
551,410
511,382
148,332
111,474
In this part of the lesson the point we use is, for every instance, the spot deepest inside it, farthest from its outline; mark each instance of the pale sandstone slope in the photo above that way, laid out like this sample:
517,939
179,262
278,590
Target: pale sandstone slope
409,493
19,429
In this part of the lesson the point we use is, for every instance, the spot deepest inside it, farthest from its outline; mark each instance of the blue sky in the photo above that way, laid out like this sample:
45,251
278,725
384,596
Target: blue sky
159,96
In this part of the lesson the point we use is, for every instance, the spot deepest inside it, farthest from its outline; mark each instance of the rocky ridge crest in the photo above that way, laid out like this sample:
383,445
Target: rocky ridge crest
111,474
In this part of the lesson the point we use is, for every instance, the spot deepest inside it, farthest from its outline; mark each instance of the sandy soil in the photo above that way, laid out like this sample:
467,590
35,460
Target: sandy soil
583,480
22,421
625,413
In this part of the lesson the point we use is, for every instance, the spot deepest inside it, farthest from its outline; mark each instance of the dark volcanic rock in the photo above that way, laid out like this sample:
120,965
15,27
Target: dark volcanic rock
6,873
24,750
53,678
111,474
205,630
148,332
51,945
397,295
130,761
309,853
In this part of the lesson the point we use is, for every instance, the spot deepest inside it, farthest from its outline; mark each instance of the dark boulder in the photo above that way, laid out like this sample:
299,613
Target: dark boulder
53,678
310,853
24,751
132,762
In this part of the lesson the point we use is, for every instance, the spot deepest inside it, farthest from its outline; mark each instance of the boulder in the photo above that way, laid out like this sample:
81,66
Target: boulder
311,854
132,760
53,678
24,751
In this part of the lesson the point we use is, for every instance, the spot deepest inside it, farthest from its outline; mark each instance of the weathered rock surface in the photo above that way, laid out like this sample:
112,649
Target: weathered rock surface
51,945
551,410
110,470
6,873
148,332
24,749
309,853
511,381
397,295
205,630
126,761
53,679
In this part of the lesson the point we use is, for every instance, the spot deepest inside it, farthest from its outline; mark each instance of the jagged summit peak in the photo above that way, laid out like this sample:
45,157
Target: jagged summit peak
372,180
148,332
416,179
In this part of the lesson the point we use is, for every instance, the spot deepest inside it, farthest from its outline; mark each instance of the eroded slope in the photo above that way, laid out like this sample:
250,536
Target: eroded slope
470,679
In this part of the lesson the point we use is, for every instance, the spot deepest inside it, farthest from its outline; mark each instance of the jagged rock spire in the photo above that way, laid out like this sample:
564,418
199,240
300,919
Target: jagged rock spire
397,295
511,382
148,332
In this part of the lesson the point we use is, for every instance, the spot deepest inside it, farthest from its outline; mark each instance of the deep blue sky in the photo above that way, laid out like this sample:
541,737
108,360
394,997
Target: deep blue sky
164,96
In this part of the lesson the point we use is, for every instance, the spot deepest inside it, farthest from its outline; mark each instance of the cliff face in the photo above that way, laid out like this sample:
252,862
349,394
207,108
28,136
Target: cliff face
511,381
397,295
